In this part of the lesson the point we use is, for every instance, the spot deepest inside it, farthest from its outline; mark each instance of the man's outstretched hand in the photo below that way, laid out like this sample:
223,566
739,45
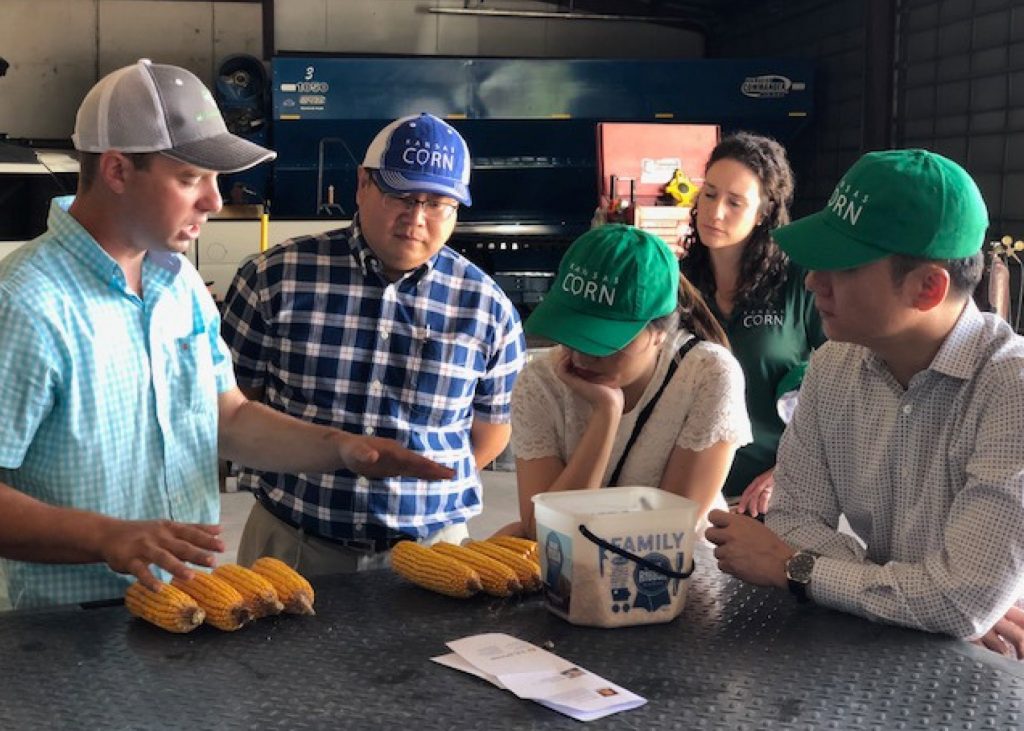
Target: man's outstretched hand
379,457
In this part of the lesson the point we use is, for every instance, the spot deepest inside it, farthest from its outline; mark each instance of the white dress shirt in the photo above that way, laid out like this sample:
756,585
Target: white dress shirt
931,477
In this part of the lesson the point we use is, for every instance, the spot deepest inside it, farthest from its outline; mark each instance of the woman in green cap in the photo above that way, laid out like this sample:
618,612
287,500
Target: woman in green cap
641,391
755,293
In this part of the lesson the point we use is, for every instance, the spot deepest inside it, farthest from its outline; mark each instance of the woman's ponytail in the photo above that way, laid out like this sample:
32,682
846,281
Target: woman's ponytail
696,316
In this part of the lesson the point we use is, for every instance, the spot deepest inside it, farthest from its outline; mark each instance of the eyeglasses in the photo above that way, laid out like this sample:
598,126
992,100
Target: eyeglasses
433,210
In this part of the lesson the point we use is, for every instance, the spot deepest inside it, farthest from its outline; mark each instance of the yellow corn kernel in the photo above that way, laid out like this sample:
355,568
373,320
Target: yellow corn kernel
169,608
225,609
528,572
433,570
257,591
496,578
293,591
523,546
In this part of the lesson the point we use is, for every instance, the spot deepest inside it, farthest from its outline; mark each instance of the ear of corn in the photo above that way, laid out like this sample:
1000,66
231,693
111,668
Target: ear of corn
170,608
433,570
523,546
528,572
293,591
225,609
257,592
496,578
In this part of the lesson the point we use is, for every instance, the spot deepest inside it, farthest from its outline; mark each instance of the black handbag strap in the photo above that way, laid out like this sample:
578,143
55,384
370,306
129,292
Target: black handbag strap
645,414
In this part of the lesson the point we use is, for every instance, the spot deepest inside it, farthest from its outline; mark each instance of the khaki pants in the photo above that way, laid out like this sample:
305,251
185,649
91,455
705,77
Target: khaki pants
265,535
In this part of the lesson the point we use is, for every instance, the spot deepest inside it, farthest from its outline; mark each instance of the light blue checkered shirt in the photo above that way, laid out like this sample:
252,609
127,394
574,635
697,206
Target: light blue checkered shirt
108,402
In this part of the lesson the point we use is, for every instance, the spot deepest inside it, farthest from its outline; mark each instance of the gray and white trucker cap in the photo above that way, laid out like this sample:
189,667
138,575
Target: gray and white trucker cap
152,107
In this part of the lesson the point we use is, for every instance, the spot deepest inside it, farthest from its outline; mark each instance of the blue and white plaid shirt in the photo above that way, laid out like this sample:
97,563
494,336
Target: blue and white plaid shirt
108,402
316,325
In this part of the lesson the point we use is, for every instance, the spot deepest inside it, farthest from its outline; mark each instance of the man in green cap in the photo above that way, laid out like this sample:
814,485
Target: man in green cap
909,418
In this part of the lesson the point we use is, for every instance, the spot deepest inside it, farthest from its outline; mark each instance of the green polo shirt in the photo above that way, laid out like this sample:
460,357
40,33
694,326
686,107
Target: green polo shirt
769,342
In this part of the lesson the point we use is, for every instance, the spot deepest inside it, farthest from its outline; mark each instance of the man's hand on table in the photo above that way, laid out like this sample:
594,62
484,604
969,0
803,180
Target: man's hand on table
1007,635
132,546
379,457
748,550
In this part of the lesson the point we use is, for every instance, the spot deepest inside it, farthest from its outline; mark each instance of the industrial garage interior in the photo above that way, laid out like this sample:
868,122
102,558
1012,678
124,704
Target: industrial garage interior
942,75
575,112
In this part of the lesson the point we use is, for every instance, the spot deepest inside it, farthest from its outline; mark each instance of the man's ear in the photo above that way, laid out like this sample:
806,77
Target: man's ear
930,286
363,184
363,177
114,170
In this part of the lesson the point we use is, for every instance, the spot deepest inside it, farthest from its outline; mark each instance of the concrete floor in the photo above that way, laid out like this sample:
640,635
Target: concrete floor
500,507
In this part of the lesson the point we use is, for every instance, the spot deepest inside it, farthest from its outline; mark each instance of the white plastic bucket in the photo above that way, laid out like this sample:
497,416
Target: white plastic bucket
615,557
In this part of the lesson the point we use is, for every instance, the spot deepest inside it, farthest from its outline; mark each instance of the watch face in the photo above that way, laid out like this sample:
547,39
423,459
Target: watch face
799,567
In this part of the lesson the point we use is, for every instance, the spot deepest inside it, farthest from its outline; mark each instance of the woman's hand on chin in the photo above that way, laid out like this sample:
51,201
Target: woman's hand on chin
597,394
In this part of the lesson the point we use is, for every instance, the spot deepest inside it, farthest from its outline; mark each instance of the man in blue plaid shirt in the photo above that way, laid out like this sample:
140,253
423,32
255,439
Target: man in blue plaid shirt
115,386
381,329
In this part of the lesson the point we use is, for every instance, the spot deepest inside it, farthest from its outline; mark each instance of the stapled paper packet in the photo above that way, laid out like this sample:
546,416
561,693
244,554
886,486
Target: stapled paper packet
534,674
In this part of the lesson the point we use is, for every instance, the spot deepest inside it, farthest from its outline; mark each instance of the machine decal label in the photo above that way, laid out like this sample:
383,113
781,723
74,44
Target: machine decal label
769,86
312,87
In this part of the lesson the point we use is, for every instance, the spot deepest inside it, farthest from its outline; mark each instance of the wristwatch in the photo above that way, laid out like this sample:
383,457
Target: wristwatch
798,573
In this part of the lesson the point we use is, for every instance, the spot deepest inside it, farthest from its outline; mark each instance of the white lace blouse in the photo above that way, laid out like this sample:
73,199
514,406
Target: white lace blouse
701,406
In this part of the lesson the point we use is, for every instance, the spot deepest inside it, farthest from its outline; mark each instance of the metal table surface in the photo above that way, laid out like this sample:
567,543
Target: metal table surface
738,658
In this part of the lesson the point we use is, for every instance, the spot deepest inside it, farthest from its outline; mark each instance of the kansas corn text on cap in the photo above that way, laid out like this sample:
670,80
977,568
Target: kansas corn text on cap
611,283
911,202
420,154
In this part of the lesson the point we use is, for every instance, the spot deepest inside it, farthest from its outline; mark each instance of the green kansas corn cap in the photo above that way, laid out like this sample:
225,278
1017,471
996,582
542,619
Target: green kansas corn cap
911,202
611,283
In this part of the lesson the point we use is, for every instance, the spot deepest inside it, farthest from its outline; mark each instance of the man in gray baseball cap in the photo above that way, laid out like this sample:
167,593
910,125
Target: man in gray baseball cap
152,107
117,385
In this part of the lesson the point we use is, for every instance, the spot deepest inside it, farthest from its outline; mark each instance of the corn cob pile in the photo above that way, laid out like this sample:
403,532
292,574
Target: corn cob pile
527,571
292,588
523,546
170,608
500,566
257,592
226,599
225,609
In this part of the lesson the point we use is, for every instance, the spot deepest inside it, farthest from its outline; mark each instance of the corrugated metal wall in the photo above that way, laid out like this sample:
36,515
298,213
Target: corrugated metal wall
959,87
947,75
831,33
960,92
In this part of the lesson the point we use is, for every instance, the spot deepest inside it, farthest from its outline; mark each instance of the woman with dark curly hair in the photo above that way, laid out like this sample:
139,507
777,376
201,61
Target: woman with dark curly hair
755,292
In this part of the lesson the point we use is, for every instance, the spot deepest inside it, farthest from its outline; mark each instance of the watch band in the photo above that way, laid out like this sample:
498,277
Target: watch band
799,590
798,573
